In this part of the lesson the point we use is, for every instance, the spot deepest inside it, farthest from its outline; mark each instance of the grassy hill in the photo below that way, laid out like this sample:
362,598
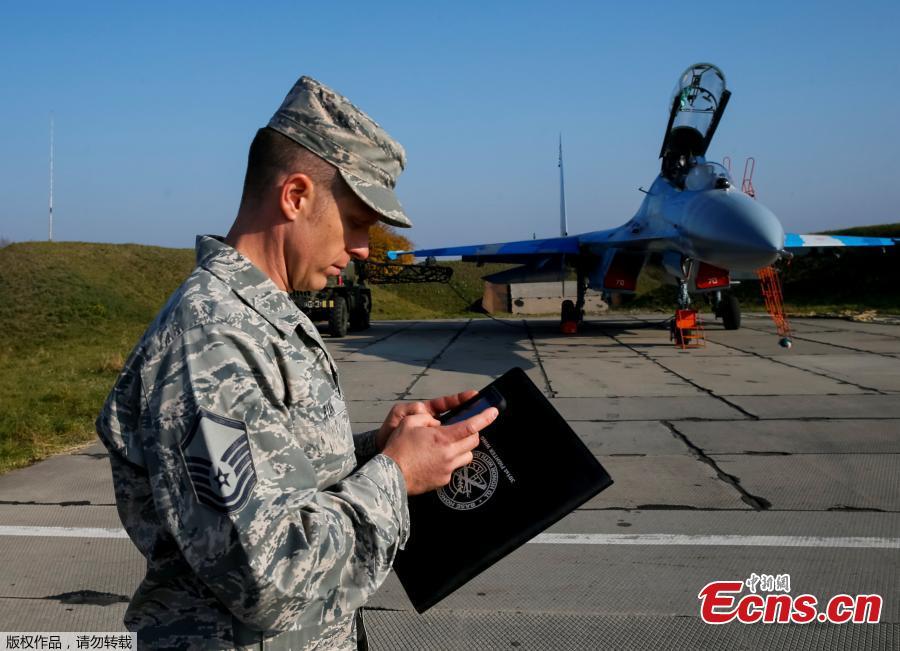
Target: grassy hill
70,313
881,230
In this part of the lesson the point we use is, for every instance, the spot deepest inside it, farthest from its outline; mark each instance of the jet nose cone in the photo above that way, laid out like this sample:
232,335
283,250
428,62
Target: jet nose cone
761,230
735,232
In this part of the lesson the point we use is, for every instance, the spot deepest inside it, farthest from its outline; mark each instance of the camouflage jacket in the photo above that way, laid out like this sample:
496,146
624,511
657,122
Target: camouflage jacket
235,474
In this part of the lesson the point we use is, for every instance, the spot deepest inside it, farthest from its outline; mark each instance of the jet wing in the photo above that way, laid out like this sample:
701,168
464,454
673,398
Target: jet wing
551,250
794,242
520,251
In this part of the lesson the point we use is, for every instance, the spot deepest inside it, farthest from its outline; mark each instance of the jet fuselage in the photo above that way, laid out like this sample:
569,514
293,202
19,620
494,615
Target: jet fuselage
708,221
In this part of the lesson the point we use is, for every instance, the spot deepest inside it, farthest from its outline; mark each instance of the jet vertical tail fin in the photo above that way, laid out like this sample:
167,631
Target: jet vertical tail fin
563,223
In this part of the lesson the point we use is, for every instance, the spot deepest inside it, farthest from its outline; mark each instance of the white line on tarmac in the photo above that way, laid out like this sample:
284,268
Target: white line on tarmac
62,532
561,538
723,540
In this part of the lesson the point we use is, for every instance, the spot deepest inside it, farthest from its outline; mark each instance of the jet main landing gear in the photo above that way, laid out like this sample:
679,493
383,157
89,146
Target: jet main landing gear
572,314
728,309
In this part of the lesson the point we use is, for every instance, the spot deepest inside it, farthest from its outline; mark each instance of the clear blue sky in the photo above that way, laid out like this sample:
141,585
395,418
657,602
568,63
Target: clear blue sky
155,105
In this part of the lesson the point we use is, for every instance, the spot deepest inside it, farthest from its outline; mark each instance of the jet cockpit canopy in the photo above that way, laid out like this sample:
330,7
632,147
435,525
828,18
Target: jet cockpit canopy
697,106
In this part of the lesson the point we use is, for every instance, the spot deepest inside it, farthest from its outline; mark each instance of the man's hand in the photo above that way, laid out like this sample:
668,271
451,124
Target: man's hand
433,407
428,452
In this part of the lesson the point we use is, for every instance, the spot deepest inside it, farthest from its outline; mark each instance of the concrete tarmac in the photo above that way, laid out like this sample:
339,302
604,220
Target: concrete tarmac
735,459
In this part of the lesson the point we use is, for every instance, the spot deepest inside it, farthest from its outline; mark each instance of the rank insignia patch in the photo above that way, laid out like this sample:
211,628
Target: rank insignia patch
219,462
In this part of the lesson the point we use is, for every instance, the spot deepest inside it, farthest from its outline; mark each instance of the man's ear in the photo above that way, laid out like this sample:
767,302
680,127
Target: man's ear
297,194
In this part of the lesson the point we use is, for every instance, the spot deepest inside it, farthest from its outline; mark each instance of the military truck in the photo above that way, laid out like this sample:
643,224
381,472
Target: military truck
345,302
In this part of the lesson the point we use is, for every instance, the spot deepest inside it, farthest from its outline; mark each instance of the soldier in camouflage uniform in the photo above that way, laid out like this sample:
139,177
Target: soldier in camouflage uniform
264,521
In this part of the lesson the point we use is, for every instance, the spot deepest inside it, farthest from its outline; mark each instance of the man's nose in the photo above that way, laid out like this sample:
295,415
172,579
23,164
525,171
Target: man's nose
356,242
359,252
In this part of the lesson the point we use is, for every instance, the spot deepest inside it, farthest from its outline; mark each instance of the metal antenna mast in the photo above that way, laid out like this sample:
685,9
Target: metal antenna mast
563,224
50,228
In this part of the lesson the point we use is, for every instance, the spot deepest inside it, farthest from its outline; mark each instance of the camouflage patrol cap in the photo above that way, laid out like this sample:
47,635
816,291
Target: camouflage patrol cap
329,125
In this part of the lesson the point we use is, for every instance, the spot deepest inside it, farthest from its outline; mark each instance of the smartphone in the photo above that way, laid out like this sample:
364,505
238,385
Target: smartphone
489,397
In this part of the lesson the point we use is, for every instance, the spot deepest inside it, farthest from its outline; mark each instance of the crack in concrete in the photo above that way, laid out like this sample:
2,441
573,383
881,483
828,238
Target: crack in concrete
825,343
731,509
666,507
420,375
800,368
783,363
681,377
387,336
777,453
858,509
761,453
537,356
644,420
802,419
726,509
757,502
760,356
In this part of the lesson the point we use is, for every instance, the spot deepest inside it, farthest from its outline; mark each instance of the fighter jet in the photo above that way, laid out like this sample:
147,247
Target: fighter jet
694,222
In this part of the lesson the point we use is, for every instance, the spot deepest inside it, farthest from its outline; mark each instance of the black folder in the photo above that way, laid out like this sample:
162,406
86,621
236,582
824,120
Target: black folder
529,470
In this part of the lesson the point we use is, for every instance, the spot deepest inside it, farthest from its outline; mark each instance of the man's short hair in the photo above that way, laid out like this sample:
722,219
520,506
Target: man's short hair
273,155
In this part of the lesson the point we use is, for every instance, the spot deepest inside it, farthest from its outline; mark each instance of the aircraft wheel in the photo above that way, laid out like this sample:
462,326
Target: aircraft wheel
339,319
730,311
359,319
568,312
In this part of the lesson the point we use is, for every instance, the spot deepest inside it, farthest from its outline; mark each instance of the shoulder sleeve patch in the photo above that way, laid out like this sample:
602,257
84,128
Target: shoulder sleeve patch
219,462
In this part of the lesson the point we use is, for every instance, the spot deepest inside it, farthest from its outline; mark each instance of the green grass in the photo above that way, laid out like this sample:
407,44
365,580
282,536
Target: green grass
71,312
69,315
881,230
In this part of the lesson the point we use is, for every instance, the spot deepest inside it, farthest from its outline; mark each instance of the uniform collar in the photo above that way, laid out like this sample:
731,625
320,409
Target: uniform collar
249,282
